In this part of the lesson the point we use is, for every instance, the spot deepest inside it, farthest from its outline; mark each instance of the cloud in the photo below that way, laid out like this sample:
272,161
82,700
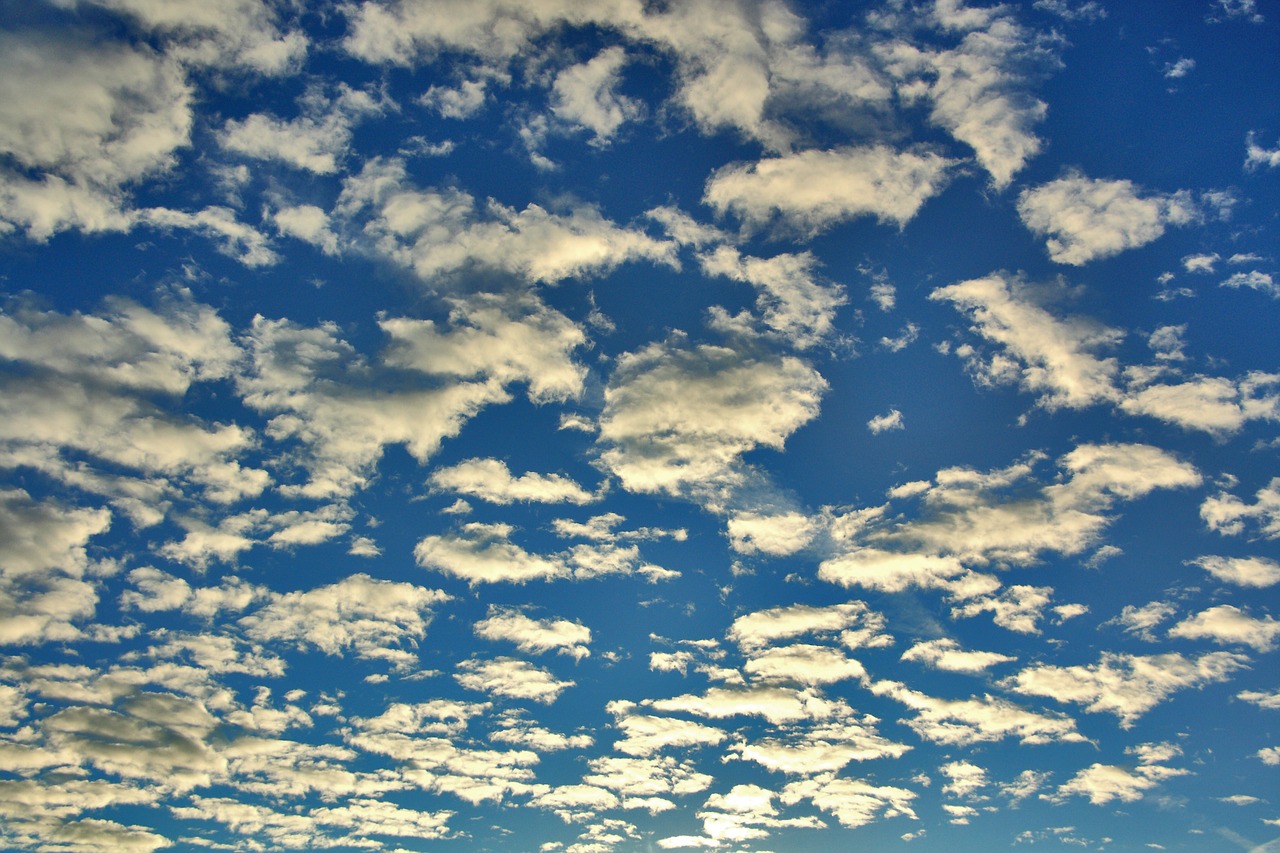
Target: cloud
792,301
586,95
970,516
962,722
980,89
371,617
645,734
483,553
805,664
242,34
946,654
1242,571
777,534
316,141
811,191
1229,515
1018,608
678,419
1142,621
1056,356
853,802
1122,684
1270,701
535,635
891,420
1057,359
444,232
857,624
86,121
1254,280
1087,219
510,678
1256,156
1103,783
1226,625
490,480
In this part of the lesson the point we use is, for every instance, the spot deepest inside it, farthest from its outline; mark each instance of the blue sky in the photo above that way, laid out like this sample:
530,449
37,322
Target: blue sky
627,426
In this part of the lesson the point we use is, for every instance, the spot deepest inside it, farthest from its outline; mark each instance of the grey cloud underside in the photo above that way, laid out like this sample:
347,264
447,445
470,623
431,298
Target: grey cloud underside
388,468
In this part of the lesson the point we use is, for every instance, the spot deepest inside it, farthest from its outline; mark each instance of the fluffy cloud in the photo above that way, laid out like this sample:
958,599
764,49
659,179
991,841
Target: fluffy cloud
1257,156
813,190
535,635
804,663
678,418
977,719
1088,218
946,654
979,90
491,480
1103,783
1242,571
1226,625
1057,359
777,534
484,553
89,121
853,802
371,617
1050,356
1229,515
891,420
440,232
315,141
586,95
973,516
1125,685
792,302
510,678
858,625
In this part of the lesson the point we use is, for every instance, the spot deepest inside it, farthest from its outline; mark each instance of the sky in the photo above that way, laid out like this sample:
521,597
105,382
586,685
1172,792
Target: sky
639,425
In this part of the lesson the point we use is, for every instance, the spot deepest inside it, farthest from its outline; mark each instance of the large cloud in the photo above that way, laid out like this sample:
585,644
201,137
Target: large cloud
1087,218
678,419
810,191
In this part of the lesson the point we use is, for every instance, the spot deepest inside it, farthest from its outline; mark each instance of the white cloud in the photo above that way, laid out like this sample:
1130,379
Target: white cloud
1018,608
853,802
1086,218
1270,701
1257,156
777,534
805,664
980,89
645,734
1254,280
813,190
777,705
443,232
883,423
90,120
679,419
371,617
1143,620
1057,359
484,553
1243,571
535,635
946,654
586,95
510,678
977,719
1225,625
491,480
792,301
1229,515
1176,70
1125,685
1103,783
858,625
1051,357
966,778
315,141
243,33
